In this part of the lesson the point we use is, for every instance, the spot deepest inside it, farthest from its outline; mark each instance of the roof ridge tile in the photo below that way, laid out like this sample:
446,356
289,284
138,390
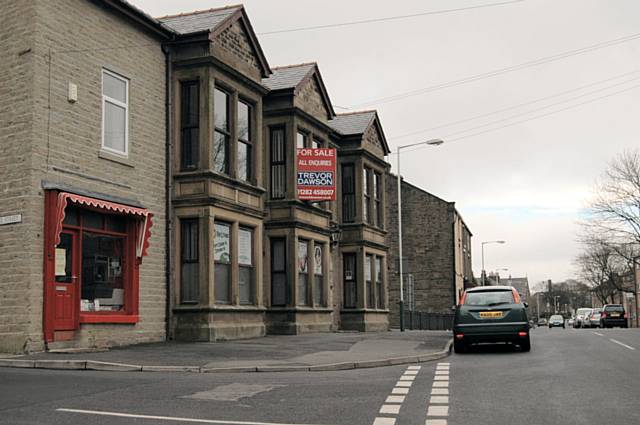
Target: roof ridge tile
199,12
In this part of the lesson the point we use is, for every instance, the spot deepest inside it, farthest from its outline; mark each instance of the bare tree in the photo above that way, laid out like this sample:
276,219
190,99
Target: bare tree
611,234
615,210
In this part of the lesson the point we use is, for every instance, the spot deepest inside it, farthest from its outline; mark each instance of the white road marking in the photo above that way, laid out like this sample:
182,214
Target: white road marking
395,399
414,367
390,409
403,383
442,372
440,391
441,378
620,343
384,421
439,399
438,411
400,391
436,422
407,378
441,384
174,418
598,333
444,364
411,372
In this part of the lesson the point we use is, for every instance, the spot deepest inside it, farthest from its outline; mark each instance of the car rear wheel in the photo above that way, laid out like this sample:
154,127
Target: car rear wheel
525,344
459,347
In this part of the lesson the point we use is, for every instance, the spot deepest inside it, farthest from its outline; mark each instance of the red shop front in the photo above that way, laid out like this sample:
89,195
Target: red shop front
93,251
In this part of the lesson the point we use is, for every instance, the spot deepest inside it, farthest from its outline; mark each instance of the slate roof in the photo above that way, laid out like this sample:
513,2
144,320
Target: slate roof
353,123
202,20
288,77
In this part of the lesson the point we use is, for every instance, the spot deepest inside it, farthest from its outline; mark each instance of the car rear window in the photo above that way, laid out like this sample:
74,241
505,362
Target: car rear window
489,298
614,308
556,318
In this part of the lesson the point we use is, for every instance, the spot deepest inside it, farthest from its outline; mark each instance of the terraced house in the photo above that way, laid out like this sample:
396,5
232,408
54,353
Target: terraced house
149,184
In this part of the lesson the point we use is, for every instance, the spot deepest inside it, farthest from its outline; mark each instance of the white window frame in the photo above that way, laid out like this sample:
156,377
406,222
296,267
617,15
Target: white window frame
106,98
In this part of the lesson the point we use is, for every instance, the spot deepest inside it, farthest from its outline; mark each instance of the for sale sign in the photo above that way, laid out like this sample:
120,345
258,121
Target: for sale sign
316,174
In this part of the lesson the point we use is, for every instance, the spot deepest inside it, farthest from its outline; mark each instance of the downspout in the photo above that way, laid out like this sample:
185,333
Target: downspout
168,190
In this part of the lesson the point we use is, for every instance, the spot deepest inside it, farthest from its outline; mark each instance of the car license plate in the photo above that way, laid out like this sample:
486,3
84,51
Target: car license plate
615,314
490,314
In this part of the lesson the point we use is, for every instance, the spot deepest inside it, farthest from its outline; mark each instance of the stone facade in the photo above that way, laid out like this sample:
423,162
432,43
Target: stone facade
431,248
51,130
47,46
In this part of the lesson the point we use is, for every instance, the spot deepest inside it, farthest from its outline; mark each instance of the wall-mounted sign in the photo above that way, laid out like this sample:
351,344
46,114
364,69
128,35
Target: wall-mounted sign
316,174
11,219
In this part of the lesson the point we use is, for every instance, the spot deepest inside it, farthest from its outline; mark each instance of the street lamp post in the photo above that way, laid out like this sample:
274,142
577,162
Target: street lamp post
432,142
483,271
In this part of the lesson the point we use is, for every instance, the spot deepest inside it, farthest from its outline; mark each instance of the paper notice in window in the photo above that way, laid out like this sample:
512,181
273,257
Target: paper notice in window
61,262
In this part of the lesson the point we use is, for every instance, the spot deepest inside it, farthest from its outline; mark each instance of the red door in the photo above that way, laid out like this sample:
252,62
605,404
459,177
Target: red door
66,283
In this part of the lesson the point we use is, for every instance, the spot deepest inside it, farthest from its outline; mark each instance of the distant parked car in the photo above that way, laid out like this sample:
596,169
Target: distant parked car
592,320
613,315
580,313
542,322
556,321
571,322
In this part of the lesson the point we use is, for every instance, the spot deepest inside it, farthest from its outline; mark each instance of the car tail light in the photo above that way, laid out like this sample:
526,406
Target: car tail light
522,333
459,336
516,296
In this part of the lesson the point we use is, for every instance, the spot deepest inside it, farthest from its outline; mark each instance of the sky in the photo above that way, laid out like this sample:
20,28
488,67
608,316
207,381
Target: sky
528,182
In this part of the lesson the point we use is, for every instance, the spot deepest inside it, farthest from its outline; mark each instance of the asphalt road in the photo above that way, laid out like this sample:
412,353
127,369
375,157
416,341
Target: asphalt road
569,377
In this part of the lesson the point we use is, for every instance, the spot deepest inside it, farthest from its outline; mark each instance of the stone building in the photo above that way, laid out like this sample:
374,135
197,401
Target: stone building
436,249
82,194
149,184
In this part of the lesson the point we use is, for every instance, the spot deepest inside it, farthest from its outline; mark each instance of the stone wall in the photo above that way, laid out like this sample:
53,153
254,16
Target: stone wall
427,248
19,326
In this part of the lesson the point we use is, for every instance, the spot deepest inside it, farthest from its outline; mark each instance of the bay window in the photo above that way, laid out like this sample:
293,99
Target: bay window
189,261
245,264
368,263
222,259
318,283
244,146
278,163
279,290
303,272
348,193
222,132
350,281
189,124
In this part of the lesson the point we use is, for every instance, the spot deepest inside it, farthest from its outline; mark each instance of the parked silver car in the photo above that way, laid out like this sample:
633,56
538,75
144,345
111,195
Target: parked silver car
580,314
556,321
592,320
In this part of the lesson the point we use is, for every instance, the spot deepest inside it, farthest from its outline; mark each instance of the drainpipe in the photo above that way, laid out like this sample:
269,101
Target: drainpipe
168,190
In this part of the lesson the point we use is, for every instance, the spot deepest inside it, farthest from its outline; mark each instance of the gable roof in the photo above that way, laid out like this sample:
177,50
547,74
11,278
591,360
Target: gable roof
293,77
200,20
353,123
288,77
214,21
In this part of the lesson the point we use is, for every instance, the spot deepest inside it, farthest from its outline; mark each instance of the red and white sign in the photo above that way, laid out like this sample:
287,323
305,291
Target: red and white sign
316,174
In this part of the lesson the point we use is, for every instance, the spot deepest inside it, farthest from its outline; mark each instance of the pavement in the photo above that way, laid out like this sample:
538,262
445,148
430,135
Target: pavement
273,353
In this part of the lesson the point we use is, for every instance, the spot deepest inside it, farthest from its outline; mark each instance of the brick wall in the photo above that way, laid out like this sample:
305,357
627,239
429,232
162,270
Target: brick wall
17,327
427,247
65,147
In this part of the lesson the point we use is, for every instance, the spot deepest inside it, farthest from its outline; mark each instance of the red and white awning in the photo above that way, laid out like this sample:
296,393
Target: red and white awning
143,225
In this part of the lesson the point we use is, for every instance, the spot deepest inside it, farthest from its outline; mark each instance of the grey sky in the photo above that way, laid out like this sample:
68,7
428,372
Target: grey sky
525,183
